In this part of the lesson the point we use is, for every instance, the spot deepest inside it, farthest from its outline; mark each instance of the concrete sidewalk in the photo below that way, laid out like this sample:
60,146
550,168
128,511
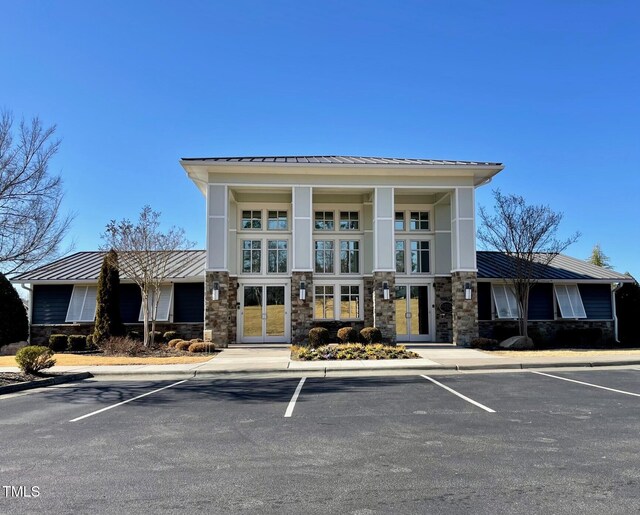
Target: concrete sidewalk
274,360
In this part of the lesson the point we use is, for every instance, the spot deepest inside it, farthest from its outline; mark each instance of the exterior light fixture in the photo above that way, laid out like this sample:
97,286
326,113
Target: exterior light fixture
467,291
385,290
303,290
215,293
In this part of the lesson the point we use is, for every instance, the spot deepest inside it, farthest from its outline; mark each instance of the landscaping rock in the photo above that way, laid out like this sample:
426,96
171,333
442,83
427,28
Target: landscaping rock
517,343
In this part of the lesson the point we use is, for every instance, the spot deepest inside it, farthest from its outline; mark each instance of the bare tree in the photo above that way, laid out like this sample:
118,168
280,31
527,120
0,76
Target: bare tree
31,224
599,258
526,234
144,256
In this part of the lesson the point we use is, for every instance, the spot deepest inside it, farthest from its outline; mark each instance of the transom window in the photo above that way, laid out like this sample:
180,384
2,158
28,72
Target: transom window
324,221
349,302
420,257
277,221
252,220
349,256
419,221
324,250
349,221
400,256
277,256
569,301
399,221
323,302
505,301
251,256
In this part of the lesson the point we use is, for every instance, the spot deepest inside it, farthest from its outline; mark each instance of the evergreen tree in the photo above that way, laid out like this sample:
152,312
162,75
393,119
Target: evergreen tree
599,258
14,324
108,320
628,313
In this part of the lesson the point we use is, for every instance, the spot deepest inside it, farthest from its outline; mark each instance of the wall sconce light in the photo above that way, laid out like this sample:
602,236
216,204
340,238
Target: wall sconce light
385,290
467,291
303,290
215,293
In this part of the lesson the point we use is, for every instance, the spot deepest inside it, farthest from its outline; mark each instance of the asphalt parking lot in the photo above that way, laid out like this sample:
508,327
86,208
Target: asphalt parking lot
566,442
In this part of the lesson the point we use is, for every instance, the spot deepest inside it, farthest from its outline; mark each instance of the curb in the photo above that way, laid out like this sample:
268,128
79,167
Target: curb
39,383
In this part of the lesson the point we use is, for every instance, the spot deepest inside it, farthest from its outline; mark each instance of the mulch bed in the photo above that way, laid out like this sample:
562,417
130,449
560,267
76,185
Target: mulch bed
7,378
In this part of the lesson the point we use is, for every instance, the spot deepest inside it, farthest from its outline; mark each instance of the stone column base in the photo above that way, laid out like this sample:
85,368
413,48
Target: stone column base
218,320
385,310
301,310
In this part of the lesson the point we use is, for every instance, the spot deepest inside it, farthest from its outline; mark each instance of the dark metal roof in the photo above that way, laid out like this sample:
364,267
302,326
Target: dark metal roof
339,160
85,266
496,265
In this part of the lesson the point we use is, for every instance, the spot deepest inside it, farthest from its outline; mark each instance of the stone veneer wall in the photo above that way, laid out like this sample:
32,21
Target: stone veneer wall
217,313
465,312
301,310
545,332
385,310
444,318
39,334
368,303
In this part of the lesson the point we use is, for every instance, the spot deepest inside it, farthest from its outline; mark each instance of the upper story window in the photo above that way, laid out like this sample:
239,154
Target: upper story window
349,221
277,256
252,220
324,221
324,250
505,301
569,301
277,221
419,221
399,221
251,256
420,256
349,257
401,256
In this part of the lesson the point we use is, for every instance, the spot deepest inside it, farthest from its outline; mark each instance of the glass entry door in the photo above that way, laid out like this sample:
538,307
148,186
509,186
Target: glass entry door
263,314
412,313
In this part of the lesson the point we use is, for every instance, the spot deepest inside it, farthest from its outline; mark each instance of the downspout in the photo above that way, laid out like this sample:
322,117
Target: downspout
613,309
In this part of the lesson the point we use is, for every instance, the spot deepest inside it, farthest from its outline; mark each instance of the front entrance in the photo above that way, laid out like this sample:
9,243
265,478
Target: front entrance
264,313
413,313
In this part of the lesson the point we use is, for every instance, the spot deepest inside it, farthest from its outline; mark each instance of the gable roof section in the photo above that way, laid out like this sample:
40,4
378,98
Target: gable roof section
337,160
496,265
85,266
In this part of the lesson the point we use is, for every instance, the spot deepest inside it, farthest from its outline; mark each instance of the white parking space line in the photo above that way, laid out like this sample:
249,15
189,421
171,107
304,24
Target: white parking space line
292,402
125,402
489,410
586,384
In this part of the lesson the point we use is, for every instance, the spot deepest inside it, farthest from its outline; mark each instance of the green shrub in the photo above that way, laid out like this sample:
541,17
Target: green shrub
184,344
157,336
170,335
122,346
76,342
33,358
202,347
134,335
484,343
348,335
318,336
172,343
58,342
371,335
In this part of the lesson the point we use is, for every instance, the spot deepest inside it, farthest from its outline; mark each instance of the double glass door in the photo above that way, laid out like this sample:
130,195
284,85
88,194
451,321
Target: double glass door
412,313
263,314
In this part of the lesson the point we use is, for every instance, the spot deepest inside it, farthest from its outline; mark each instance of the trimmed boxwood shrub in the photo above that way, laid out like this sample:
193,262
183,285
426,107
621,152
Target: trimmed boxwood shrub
371,335
76,342
170,335
172,343
484,343
58,342
202,347
184,344
348,335
318,336
33,358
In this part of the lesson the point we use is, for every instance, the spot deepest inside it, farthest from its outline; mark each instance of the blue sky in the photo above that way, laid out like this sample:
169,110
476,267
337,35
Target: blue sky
551,89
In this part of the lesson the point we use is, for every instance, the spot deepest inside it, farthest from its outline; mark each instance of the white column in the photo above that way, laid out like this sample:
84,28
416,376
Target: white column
217,234
383,236
302,198
463,230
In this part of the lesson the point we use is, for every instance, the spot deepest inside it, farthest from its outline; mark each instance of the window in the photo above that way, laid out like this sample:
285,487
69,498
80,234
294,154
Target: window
324,221
252,220
277,221
349,302
324,256
277,256
569,301
399,221
164,304
505,301
323,302
420,257
251,250
419,221
349,257
400,256
349,220
82,306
